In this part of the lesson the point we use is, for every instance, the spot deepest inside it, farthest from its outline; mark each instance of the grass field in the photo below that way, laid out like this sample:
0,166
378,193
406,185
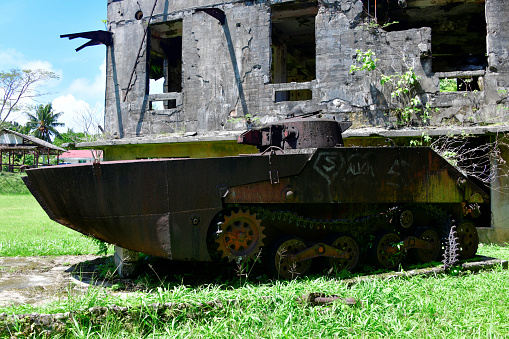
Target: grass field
468,305
11,183
25,230
443,306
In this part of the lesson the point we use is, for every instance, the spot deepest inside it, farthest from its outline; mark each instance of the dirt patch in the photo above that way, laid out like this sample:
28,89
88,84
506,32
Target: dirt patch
39,280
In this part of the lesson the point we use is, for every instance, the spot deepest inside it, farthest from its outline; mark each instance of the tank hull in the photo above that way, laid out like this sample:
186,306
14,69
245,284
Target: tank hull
168,207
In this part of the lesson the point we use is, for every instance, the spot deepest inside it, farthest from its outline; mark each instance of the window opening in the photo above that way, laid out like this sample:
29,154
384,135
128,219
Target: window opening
462,84
294,95
165,62
458,29
293,46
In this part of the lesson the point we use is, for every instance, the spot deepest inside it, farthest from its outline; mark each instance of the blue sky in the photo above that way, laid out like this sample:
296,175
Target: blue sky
30,38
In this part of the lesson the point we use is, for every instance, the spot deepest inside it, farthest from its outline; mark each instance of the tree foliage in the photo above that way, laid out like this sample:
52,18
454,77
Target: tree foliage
69,137
14,126
44,121
17,85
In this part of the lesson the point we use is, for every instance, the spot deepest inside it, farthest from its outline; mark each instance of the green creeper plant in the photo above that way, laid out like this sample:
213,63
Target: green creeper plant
403,89
249,119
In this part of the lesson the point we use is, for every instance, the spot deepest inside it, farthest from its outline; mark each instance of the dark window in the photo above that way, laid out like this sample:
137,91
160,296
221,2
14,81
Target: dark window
293,42
458,38
294,95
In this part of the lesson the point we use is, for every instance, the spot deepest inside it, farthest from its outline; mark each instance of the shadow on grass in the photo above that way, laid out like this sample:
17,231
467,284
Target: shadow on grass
156,272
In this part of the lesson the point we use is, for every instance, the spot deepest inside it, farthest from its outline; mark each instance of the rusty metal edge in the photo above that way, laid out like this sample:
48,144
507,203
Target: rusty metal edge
46,208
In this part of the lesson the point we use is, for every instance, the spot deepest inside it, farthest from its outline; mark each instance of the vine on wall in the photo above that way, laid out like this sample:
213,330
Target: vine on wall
405,104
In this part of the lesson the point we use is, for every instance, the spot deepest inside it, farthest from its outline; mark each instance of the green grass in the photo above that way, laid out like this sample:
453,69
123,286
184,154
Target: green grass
26,230
469,305
443,306
11,183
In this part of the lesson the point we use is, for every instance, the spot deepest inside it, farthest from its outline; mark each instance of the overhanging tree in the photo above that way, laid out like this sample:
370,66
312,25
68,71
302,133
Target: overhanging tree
17,85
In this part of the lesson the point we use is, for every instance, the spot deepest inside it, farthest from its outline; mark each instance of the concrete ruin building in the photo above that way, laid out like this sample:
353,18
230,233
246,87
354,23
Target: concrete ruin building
227,59
185,76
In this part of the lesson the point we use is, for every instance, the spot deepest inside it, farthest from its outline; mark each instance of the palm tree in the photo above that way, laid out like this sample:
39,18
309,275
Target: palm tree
44,122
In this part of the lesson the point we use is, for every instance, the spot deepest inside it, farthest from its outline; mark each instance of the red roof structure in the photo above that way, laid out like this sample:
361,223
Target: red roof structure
82,154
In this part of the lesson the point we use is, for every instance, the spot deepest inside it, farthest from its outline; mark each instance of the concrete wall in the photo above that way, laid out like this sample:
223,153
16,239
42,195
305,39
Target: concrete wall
499,232
226,69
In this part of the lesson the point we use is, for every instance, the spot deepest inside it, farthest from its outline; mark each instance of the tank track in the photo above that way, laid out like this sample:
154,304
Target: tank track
444,219
304,222
380,219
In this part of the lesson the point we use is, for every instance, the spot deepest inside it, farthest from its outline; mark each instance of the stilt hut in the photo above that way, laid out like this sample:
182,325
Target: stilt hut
15,147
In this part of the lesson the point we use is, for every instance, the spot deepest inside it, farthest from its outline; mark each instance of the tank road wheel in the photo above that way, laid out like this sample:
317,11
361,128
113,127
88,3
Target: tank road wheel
240,235
431,236
384,254
280,258
346,244
468,239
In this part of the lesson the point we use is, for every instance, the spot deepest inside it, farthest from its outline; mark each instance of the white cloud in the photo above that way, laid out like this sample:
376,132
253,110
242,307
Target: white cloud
70,106
11,58
90,89
82,94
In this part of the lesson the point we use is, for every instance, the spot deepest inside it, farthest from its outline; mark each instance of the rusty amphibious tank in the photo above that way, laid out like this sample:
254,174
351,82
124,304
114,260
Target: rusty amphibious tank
304,196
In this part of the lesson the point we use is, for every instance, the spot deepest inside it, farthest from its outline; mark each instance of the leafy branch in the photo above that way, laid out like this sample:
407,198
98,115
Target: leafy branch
249,119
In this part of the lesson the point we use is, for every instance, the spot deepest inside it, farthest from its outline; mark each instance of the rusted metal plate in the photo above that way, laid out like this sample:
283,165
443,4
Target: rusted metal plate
367,175
158,207
165,207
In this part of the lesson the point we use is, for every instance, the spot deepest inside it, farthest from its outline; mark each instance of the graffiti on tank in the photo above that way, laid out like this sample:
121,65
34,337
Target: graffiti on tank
333,165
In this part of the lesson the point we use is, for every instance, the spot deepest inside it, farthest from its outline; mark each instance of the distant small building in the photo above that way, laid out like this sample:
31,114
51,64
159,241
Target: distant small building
15,147
79,156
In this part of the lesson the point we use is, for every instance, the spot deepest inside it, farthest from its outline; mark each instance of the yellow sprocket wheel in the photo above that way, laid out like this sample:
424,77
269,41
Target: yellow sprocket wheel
240,235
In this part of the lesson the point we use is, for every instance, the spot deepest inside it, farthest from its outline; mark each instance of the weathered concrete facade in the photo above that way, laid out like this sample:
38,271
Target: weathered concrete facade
252,65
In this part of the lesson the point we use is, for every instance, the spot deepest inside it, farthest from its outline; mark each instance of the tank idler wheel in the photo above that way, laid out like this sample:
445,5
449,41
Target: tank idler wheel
347,244
406,219
431,236
281,256
240,235
468,239
385,251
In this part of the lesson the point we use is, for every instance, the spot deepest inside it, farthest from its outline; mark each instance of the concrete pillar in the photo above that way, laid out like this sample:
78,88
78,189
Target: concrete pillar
126,261
499,232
